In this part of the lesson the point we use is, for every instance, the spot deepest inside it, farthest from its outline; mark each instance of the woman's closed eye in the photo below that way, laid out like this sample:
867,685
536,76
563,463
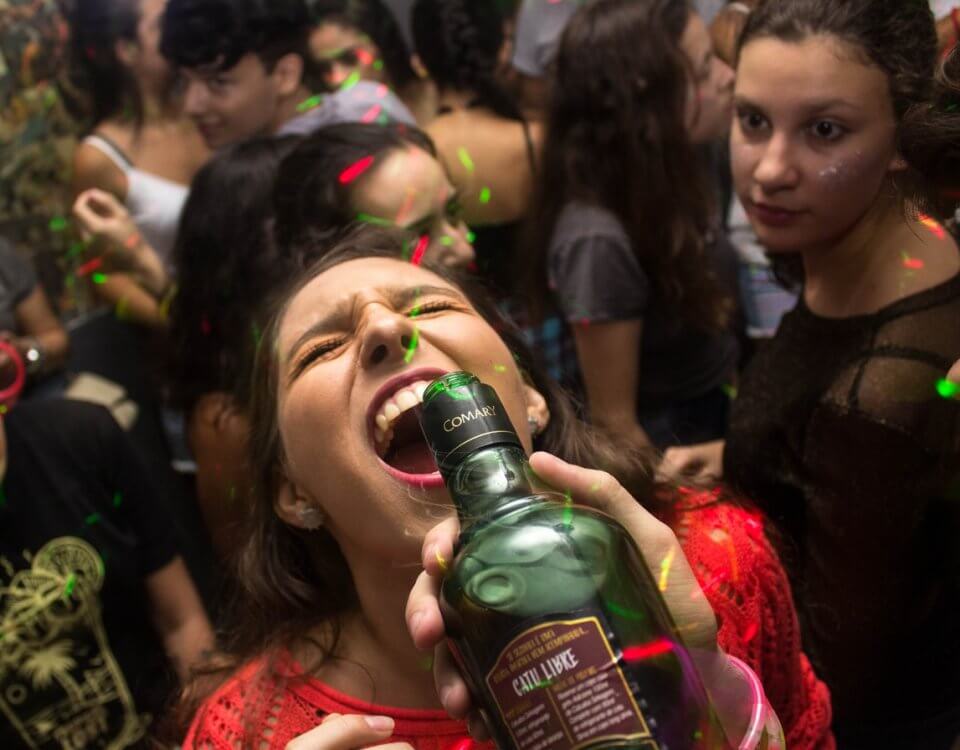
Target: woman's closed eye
315,352
430,307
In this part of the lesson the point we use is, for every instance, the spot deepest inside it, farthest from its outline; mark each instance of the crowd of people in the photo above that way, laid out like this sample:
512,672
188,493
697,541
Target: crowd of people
705,251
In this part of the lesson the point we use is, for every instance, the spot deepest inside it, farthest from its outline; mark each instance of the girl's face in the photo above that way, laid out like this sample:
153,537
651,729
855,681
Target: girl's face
408,188
146,61
356,348
812,140
340,51
710,85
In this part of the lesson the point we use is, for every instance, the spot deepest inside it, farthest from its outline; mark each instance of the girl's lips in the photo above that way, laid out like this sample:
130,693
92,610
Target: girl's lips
422,481
773,216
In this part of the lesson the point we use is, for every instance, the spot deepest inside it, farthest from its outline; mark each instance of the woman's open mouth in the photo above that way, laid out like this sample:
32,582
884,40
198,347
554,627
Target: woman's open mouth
395,430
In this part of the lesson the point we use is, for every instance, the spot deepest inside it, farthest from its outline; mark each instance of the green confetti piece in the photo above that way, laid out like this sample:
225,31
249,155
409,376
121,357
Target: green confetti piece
352,80
307,104
465,159
375,220
485,195
58,224
947,388
411,350
99,278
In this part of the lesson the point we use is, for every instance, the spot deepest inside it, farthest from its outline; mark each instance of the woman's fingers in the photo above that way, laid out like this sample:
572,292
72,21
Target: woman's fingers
347,732
423,612
438,546
656,541
451,687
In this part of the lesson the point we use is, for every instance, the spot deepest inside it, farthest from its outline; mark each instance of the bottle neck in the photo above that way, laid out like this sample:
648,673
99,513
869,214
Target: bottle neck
490,482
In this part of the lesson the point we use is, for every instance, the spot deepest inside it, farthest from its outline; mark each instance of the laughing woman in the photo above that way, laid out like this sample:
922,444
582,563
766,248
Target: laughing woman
341,511
839,430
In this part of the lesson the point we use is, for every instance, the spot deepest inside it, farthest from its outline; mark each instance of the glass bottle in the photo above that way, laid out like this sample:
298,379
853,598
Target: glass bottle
555,619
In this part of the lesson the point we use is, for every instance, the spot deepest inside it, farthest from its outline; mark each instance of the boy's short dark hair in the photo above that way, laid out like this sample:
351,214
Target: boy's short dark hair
217,33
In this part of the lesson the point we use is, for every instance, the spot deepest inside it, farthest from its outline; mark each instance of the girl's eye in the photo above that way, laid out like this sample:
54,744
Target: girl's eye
314,353
751,121
429,307
827,131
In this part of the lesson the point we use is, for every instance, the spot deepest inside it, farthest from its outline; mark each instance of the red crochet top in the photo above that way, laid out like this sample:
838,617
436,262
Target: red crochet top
734,564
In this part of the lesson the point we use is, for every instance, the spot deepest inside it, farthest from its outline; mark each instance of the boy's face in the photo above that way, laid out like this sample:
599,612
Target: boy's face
234,105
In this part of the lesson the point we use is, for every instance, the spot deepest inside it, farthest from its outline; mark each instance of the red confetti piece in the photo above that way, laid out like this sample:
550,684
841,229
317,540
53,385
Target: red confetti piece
647,650
355,170
420,250
90,266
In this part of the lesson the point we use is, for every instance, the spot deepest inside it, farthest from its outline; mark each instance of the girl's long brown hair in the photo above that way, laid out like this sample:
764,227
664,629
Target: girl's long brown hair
292,584
616,138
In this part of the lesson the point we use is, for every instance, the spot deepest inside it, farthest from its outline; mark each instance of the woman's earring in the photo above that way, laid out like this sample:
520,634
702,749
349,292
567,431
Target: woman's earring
534,425
310,516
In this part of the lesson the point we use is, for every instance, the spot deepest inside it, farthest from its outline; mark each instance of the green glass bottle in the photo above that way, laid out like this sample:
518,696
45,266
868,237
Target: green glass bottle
555,619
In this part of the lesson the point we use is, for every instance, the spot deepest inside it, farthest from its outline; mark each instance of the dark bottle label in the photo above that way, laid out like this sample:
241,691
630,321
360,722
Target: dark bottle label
462,420
558,686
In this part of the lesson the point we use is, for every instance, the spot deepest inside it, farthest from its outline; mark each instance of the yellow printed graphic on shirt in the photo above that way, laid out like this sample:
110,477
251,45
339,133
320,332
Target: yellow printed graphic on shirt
60,686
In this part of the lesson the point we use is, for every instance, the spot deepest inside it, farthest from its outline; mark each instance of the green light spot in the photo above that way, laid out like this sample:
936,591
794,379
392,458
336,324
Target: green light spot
352,80
411,350
485,195
730,390
92,519
99,278
471,236
378,64
947,388
117,499
426,663
446,241
629,614
76,249
71,585
567,509
499,368
307,104
465,159
530,688
58,224
375,220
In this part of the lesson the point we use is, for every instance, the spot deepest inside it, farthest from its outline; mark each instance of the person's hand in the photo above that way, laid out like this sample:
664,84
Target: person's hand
954,374
103,217
726,29
702,462
690,610
348,732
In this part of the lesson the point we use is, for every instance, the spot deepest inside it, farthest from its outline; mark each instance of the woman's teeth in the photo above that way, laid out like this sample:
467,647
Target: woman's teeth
391,409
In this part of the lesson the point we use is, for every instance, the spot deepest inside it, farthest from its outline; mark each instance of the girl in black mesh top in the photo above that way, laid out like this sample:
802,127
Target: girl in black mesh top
839,430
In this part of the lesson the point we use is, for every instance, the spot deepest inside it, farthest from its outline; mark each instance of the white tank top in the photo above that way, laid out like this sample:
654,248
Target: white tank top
155,203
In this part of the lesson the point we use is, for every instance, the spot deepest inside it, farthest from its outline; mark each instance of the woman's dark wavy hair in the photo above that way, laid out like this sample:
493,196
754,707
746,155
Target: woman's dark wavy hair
897,36
95,28
227,266
310,201
292,581
458,42
616,138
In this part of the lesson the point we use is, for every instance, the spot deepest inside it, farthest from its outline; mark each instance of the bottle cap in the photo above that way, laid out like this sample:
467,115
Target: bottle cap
460,415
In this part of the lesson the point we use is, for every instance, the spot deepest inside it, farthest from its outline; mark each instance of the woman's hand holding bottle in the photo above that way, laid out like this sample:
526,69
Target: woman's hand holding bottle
348,732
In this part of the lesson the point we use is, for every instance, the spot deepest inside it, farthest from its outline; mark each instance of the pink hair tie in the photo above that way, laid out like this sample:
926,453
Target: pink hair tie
10,394
763,720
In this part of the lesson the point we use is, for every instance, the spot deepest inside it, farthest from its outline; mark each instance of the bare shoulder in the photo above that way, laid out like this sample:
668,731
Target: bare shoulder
94,169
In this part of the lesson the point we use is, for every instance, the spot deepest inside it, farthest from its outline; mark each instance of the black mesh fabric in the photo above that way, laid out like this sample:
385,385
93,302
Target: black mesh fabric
839,433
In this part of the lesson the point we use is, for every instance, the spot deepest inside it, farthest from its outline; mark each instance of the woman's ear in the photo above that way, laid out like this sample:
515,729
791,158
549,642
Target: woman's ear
295,509
538,413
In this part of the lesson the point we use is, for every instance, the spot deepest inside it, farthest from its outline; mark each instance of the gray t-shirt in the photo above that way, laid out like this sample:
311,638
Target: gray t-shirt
365,101
540,24
597,278
17,280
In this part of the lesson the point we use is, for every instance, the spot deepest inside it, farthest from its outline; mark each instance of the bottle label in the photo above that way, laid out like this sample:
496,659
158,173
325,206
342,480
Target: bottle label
558,687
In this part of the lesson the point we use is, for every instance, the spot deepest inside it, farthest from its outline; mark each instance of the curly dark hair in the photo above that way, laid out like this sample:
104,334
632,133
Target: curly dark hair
217,33
227,266
616,138
310,202
458,42
95,28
